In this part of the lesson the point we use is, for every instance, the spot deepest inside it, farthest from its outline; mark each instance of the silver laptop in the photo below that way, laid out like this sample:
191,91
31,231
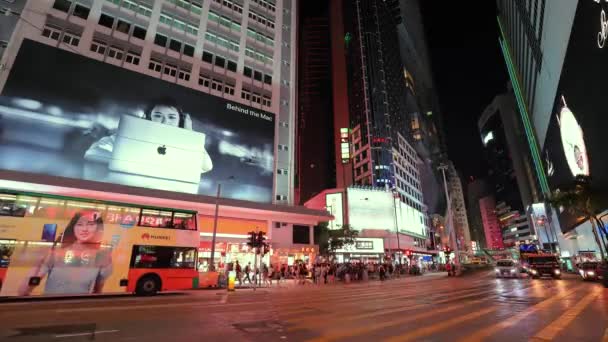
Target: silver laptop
155,155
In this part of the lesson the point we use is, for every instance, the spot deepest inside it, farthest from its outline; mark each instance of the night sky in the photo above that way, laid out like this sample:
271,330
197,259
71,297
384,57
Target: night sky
468,71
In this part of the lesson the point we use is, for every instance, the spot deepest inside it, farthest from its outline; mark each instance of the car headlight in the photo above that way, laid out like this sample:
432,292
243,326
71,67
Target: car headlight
497,270
590,273
513,270
558,271
533,271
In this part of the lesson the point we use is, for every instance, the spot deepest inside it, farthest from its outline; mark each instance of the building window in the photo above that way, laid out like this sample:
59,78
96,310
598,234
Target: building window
203,80
267,79
51,32
123,26
160,40
246,94
115,52
71,38
155,65
98,47
257,98
282,172
257,76
184,74
217,85
229,89
222,41
81,11
170,70
106,20
207,57
247,71
175,45
220,61
188,50
231,66
139,32
282,147
283,124
133,58
62,5
266,101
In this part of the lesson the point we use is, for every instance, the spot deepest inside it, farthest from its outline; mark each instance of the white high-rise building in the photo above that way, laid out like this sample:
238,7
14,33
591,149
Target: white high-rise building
241,51
459,210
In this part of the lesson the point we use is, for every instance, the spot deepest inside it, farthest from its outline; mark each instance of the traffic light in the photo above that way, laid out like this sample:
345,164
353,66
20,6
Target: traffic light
408,253
447,250
252,239
261,239
265,249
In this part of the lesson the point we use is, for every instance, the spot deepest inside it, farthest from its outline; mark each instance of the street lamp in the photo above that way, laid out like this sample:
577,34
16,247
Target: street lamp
217,208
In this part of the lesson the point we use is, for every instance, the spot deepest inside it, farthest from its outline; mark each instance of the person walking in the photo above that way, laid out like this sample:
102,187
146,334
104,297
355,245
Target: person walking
247,271
239,273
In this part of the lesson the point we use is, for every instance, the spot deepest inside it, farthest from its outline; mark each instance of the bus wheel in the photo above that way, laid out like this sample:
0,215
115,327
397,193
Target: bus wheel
148,285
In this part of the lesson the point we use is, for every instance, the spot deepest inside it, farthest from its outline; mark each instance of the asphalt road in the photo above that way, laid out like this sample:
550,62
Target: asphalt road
425,308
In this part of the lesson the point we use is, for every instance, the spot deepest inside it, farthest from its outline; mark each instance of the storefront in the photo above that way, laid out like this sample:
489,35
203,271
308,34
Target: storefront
227,253
290,256
363,250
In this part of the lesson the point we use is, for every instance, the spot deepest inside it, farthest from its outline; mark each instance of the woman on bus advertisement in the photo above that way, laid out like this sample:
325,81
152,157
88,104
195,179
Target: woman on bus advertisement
77,263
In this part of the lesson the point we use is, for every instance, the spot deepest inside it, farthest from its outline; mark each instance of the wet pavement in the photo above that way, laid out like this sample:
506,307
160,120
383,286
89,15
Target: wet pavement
426,308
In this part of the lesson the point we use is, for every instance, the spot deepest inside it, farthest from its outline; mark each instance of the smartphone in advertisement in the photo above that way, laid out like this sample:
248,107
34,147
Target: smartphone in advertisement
48,232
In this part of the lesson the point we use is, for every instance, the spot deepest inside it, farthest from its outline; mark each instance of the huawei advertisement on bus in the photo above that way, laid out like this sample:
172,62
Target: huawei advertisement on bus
66,115
576,139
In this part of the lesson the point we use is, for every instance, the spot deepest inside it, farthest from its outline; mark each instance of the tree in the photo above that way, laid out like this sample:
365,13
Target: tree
581,200
330,240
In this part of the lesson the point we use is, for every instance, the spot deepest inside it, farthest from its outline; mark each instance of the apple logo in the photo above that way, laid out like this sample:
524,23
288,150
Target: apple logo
162,150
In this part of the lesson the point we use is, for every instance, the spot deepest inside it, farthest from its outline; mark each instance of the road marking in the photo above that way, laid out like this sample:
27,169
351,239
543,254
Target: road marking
491,330
322,319
87,333
363,329
553,328
224,299
413,335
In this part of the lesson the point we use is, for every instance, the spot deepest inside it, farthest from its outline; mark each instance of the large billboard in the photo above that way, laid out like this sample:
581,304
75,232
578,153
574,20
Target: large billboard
66,115
575,143
376,210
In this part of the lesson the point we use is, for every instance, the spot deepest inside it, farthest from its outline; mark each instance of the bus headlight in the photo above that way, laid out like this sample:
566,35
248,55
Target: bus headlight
533,271
558,272
496,270
590,273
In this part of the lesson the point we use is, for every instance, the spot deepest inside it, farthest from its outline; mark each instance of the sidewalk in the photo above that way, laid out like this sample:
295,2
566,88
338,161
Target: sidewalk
293,283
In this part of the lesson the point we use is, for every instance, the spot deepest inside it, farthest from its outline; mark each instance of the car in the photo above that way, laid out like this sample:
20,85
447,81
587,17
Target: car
589,270
543,265
506,268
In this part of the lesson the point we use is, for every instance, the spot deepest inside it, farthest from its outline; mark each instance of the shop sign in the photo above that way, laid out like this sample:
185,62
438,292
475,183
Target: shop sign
205,246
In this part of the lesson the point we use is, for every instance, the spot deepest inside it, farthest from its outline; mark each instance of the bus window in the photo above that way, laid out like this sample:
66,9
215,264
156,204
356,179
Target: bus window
163,257
184,221
20,206
73,207
50,208
156,218
6,250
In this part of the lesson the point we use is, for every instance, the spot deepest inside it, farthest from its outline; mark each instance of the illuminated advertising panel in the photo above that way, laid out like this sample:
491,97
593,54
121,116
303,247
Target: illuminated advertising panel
66,115
334,206
345,145
376,209
575,143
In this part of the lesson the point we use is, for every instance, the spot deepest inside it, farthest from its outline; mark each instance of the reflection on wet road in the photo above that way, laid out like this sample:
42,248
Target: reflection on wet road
426,308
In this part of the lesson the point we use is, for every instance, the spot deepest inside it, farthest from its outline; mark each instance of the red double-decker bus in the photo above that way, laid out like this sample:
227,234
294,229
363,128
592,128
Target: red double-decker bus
52,245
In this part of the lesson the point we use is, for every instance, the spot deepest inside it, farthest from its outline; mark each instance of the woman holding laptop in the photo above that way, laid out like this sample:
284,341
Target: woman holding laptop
164,111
